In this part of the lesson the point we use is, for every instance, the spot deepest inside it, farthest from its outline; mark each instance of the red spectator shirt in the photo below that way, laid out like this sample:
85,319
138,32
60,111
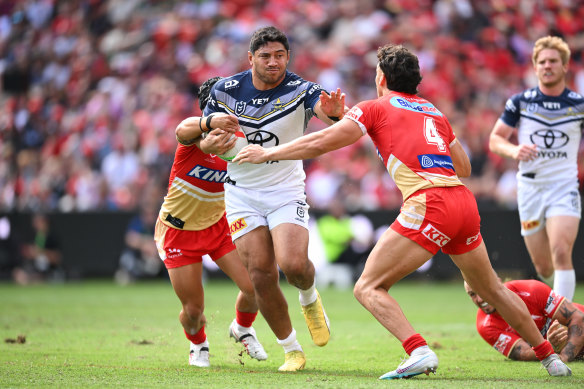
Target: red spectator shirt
195,198
413,140
542,302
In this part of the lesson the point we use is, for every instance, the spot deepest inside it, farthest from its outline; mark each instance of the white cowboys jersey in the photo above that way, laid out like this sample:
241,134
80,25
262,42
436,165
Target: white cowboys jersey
554,124
268,118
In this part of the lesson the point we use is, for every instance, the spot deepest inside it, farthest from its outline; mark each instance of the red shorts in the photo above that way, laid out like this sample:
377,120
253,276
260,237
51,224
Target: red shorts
180,247
441,218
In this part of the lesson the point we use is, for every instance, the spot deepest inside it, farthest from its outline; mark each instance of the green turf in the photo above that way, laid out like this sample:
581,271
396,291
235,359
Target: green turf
98,334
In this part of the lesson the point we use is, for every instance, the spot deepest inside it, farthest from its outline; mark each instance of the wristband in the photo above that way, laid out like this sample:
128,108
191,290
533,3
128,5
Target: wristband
201,127
208,123
334,119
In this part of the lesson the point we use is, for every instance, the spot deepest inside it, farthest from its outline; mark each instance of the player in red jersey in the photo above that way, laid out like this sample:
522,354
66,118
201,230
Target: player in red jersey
192,223
417,146
554,315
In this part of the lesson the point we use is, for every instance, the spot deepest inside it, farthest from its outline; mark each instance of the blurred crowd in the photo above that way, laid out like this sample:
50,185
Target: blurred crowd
91,91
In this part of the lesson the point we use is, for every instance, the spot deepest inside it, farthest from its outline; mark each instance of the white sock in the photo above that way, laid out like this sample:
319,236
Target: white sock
290,343
565,283
547,280
307,296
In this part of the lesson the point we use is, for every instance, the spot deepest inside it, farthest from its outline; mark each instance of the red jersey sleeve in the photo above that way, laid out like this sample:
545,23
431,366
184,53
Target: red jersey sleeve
496,332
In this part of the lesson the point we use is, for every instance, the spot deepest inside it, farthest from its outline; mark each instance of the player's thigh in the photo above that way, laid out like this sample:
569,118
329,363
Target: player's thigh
232,265
393,257
290,243
477,270
256,250
187,282
562,229
538,246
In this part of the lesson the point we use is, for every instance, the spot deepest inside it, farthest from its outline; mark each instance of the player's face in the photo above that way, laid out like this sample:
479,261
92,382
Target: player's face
268,65
549,69
479,302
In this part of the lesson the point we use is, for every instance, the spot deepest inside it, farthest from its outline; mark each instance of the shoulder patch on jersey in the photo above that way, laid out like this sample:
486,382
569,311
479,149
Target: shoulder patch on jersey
354,113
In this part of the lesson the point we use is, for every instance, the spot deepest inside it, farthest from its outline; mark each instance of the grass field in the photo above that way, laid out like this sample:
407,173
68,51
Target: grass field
99,334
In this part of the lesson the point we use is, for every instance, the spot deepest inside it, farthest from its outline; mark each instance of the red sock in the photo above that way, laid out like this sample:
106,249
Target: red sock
544,350
197,338
413,342
245,319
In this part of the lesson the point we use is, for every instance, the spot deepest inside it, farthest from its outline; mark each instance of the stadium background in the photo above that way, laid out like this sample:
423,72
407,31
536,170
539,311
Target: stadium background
92,91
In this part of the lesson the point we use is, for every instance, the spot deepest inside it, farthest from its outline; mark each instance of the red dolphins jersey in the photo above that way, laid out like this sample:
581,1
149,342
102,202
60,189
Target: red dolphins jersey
413,140
195,198
542,302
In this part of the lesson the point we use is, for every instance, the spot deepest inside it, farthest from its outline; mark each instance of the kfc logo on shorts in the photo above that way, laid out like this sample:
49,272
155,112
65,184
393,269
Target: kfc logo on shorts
435,236
237,225
502,343
355,113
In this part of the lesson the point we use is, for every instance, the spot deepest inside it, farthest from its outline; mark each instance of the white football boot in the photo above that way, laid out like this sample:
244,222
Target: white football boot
422,360
250,341
199,354
555,366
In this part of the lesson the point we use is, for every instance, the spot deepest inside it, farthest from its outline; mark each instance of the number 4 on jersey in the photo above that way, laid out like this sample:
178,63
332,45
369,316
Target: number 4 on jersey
432,135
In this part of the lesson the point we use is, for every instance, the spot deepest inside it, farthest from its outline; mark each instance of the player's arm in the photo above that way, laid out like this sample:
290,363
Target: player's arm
331,107
190,129
339,135
568,315
460,160
499,144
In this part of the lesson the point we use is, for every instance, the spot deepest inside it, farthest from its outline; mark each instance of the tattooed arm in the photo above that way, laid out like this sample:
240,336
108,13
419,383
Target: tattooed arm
567,314
522,351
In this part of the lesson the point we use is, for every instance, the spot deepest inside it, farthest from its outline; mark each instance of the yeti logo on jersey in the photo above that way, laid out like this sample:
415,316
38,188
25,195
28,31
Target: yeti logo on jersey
428,161
501,343
435,236
240,107
550,139
263,138
206,174
231,84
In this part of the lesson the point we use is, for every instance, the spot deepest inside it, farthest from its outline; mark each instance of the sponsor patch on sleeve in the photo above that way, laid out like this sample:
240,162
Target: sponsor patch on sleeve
354,113
502,343
552,302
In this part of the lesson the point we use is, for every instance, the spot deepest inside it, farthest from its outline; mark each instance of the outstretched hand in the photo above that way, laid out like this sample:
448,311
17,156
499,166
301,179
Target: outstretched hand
252,154
334,104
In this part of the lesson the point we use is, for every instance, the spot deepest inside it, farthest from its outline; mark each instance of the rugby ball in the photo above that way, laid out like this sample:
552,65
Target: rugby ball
240,143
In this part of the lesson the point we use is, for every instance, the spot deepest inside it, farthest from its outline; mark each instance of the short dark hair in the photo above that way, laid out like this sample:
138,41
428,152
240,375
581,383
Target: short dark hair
400,67
205,90
267,34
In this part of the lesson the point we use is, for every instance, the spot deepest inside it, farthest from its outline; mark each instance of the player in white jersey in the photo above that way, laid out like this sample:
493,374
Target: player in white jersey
266,204
549,120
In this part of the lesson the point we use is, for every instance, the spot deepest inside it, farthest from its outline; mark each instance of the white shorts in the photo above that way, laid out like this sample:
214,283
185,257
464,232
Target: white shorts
248,209
537,202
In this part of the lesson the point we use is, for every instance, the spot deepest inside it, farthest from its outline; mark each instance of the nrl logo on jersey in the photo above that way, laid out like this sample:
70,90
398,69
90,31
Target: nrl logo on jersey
278,105
240,107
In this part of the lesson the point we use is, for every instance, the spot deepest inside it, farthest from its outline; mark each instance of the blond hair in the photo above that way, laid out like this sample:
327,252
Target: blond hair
551,42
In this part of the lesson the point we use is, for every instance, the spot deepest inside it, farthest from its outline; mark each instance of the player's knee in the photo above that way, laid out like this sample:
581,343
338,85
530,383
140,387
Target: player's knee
361,290
193,311
262,277
294,269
